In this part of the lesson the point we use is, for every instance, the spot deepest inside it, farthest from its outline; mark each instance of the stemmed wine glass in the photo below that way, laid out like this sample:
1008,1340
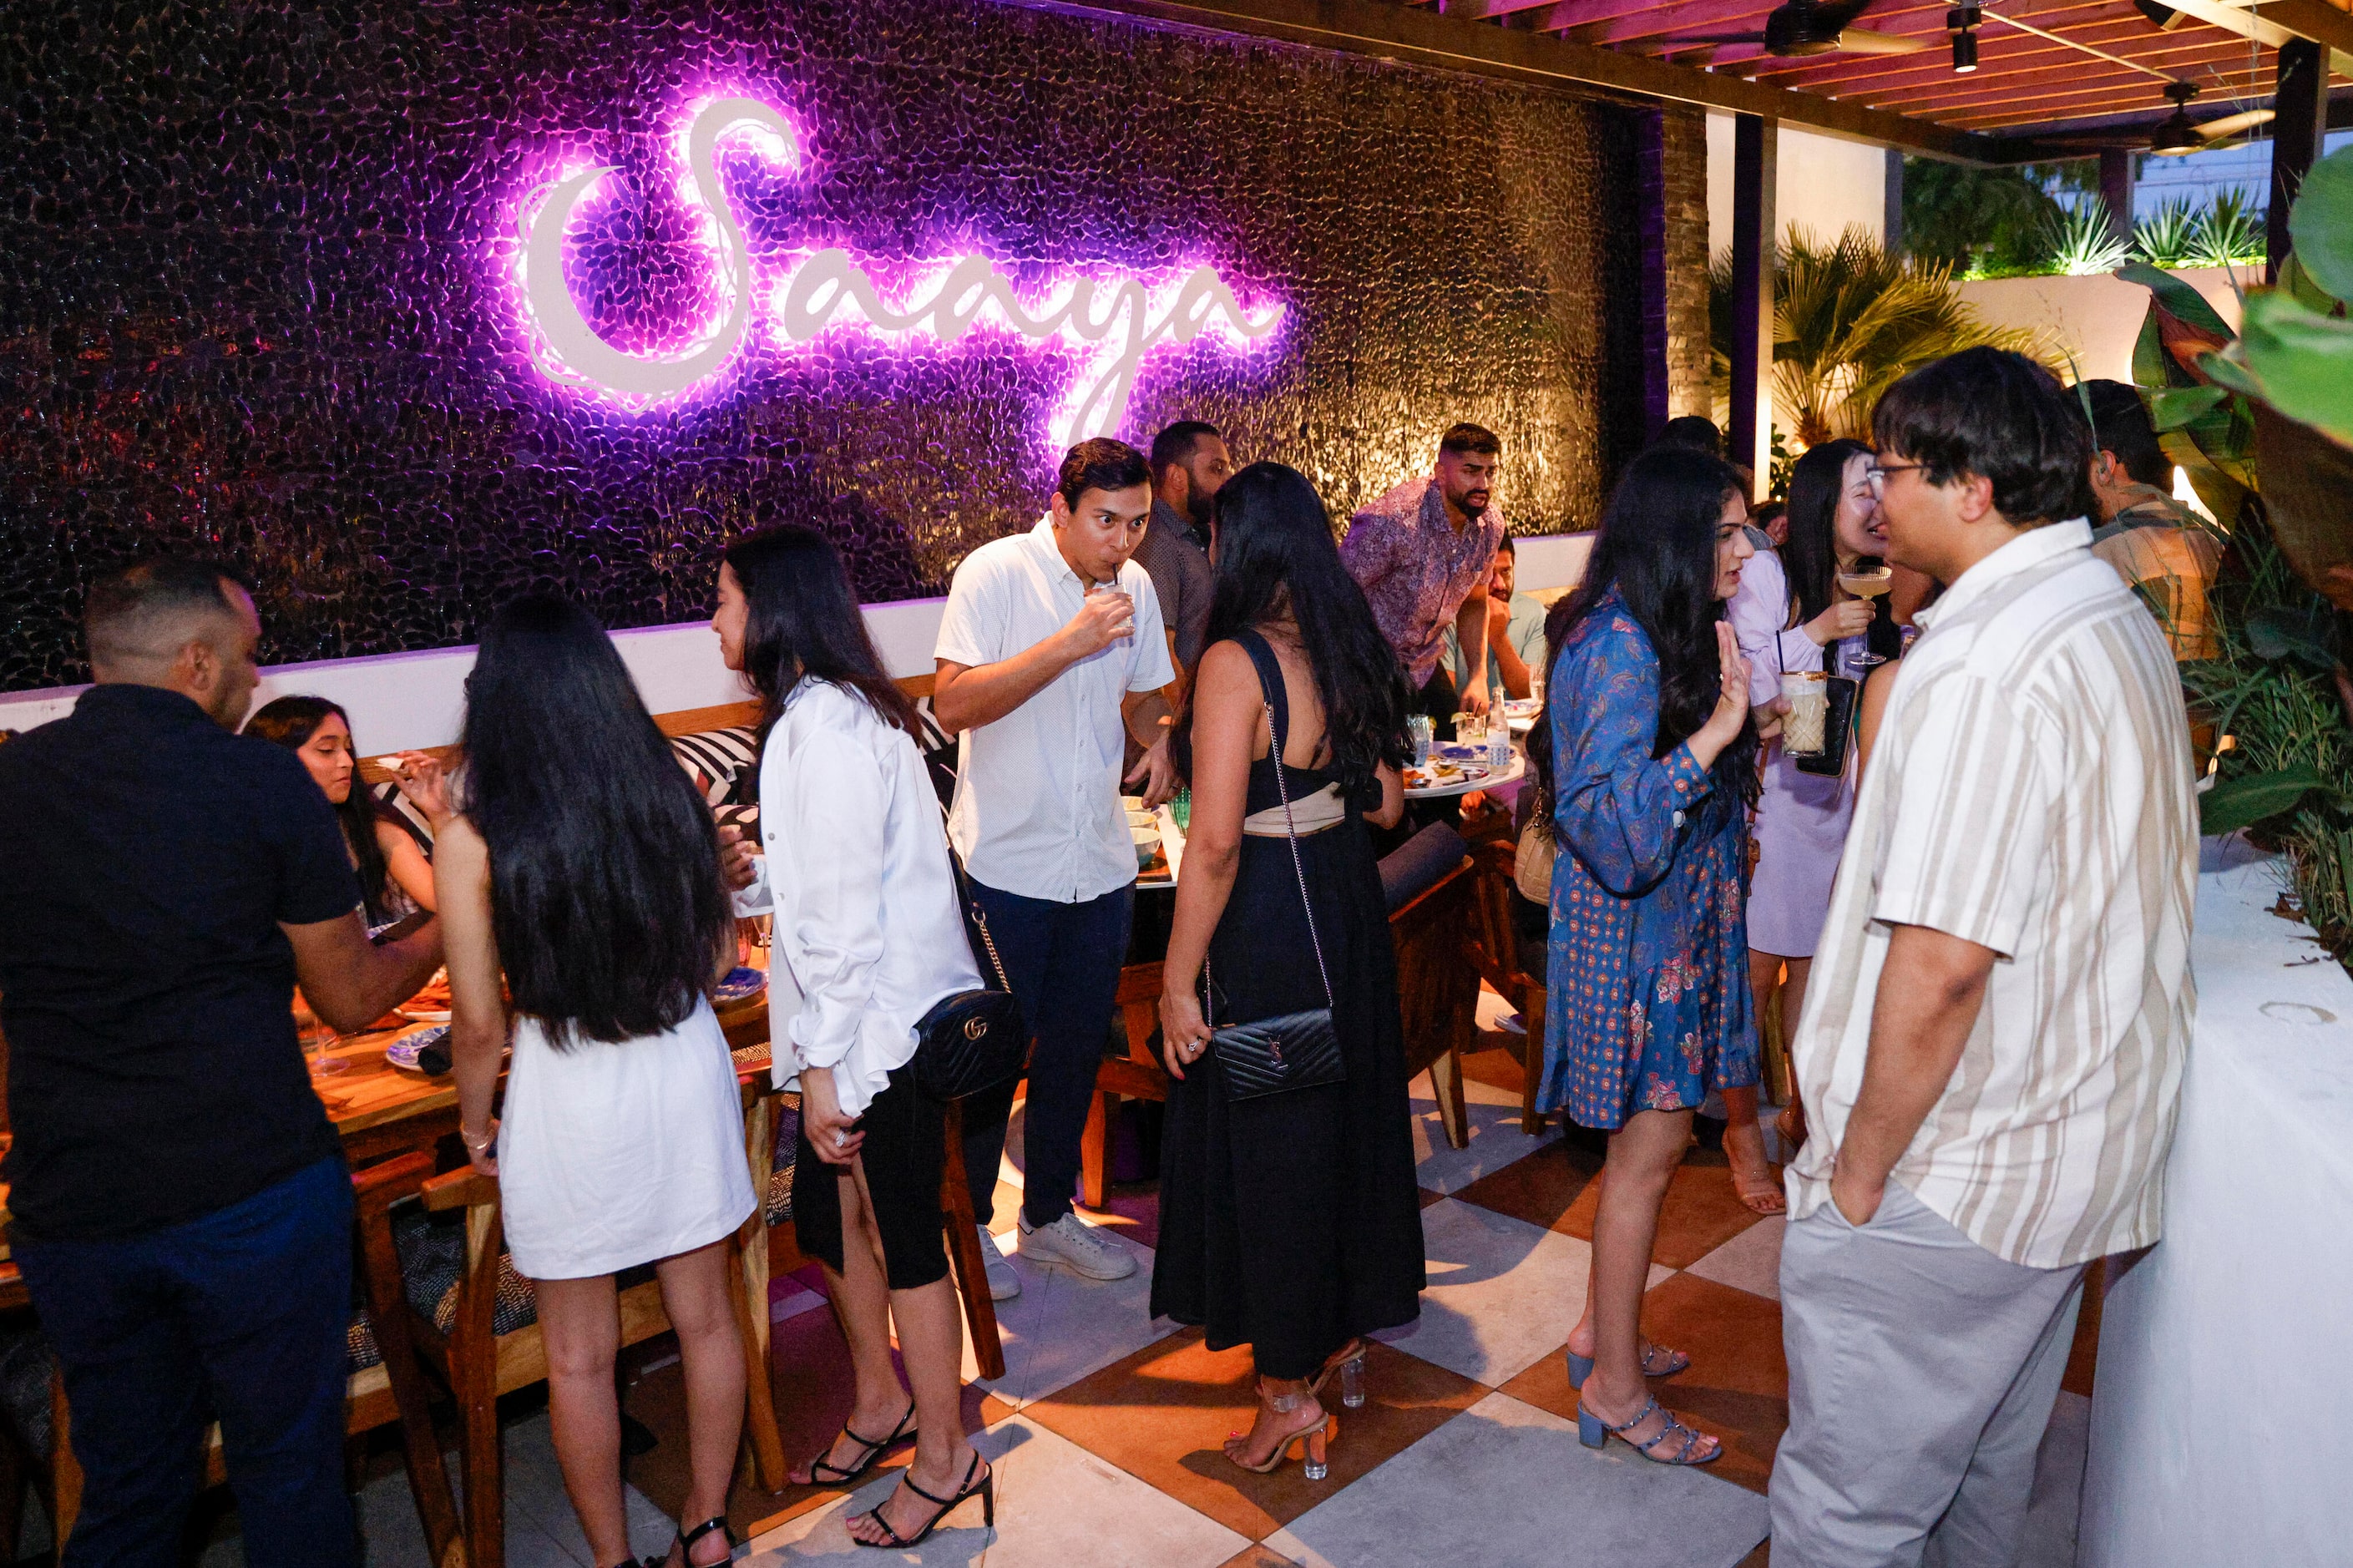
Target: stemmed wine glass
1864,583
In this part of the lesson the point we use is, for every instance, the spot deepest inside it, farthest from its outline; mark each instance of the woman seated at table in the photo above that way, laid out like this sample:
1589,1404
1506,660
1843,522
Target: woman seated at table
1289,1221
585,867
868,935
395,876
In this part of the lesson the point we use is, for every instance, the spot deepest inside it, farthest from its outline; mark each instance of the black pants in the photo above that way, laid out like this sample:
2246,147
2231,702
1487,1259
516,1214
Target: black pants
241,1315
905,1141
1063,961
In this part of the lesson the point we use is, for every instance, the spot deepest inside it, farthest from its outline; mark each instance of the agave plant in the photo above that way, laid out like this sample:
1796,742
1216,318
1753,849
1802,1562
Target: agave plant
2081,242
2167,236
1849,320
2230,232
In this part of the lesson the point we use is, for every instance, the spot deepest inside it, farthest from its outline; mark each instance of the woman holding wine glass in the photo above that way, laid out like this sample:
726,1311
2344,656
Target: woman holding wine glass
1812,607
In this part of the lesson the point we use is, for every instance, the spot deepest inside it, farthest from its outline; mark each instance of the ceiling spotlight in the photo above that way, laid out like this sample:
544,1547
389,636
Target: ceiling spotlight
1961,21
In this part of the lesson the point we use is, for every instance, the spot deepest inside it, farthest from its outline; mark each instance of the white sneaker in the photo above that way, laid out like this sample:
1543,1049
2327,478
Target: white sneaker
1003,1283
1073,1243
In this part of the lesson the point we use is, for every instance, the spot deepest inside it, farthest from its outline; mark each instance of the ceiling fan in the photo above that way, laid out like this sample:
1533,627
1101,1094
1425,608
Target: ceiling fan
2178,136
1801,27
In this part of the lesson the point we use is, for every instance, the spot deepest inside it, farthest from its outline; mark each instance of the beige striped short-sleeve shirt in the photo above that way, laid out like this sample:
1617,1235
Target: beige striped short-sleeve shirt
2031,792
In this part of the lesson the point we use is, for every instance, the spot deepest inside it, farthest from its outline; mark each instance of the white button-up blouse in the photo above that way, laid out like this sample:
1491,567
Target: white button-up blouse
868,930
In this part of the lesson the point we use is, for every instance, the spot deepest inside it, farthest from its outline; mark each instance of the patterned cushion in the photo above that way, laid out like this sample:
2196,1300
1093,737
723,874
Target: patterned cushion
433,1260
719,761
780,1166
406,817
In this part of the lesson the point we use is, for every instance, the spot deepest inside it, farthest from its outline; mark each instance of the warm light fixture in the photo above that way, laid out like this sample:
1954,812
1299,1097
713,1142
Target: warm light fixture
1961,21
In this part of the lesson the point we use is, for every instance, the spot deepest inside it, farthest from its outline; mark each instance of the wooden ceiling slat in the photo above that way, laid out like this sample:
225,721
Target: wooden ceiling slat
2000,47
1916,86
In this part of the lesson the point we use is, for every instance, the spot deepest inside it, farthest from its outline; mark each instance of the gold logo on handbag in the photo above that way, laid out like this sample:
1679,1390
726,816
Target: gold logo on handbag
974,1027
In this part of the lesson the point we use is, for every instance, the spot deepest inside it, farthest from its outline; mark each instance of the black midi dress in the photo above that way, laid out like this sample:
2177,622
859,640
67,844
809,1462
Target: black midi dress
1291,1223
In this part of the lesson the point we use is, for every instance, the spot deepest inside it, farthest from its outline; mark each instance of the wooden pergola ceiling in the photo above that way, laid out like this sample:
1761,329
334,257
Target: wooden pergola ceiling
2077,63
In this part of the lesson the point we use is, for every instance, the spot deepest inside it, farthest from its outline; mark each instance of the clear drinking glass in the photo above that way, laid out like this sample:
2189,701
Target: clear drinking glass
1419,732
317,1041
1805,730
1866,583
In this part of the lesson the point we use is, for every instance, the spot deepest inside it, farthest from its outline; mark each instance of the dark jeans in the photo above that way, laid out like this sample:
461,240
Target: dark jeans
1439,699
239,1316
1063,961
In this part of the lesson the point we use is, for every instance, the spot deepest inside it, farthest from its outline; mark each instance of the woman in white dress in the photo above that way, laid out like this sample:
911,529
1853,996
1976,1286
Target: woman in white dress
869,936
584,867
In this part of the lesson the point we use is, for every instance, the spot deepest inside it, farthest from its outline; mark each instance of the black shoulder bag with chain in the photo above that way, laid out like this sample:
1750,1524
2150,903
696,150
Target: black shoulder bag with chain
973,1040
1294,1050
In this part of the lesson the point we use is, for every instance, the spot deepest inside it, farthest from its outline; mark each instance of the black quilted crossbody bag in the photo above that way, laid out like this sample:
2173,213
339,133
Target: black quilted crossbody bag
1293,1050
972,1040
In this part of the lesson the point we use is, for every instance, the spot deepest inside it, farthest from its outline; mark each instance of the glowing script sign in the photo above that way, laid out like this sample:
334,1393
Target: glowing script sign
1115,320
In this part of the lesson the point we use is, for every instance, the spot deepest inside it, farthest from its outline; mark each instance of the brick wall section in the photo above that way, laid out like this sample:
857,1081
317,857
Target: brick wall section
1683,205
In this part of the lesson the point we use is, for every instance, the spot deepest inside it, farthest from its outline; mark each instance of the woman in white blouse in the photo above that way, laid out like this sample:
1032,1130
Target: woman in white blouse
868,937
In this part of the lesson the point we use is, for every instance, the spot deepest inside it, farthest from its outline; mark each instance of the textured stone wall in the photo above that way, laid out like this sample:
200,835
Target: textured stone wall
256,297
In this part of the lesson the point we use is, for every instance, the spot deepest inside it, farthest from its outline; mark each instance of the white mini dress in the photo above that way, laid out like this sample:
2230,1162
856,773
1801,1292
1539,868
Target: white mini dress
613,1154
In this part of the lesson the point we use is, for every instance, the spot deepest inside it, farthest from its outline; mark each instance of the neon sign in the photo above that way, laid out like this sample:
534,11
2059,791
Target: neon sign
1115,320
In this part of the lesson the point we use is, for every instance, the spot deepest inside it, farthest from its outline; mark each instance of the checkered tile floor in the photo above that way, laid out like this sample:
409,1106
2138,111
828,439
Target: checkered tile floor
1106,1428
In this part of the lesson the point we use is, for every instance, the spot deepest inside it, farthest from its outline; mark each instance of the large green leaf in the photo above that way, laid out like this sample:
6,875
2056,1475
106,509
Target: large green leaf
2296,281
2279,632
2309,493
2303,361
2176,406
2320,225
2182,302
2244,802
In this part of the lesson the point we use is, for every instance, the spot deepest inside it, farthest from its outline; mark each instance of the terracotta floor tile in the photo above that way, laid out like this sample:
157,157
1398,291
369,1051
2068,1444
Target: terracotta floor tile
1497,1066
810,1370
1257,1556
1541,1188
1162,1414
1760,1558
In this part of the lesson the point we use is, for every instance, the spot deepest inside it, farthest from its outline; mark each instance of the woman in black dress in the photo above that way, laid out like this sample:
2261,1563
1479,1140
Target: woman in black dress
1289,1221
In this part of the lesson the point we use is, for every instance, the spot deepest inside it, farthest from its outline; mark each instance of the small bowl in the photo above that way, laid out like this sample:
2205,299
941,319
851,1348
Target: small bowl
1141,818
1147,844
1131,803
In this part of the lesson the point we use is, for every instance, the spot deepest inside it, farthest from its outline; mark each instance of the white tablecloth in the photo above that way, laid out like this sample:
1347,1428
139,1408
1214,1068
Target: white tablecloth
2222,1413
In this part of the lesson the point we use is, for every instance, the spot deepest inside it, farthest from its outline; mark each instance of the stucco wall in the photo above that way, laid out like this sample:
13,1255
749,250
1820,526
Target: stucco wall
2095,319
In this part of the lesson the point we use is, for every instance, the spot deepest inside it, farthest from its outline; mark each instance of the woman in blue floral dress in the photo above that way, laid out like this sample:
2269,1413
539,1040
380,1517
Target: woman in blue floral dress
1652,765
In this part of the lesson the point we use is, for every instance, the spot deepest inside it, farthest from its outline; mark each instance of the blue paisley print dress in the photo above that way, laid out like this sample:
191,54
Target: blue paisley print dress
1647,962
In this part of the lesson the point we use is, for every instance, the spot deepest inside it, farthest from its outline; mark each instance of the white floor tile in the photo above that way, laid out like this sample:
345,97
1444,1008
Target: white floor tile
1501,1292
1056,1503
2051,1512
1496,1141
1060,1327
1750,1261
1509,1485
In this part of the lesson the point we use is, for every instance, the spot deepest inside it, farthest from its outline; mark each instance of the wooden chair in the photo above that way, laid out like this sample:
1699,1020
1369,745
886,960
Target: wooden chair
392,1390
1493,944
478,1362
1438,998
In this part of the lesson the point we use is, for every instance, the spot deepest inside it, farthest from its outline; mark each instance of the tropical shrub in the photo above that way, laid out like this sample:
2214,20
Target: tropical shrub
2167,236
2080,242
2230,233
1849,320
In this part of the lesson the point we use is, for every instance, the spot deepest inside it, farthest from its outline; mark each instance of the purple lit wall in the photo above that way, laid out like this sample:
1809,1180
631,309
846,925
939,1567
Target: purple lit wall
260,291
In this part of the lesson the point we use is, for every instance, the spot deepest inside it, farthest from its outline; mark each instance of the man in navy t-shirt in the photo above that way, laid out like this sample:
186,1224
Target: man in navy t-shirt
182,1211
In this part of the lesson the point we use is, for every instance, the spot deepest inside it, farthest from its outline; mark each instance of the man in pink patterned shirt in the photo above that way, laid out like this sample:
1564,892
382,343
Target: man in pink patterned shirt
1421,553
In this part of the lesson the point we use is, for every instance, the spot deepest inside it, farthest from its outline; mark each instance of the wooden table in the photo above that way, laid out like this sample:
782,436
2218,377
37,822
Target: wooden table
380,1111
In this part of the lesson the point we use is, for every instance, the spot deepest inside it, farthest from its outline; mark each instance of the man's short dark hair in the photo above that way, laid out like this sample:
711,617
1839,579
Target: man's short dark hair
1462,438
1507,547
1175,445
2120,424
1694,430
1998,416
129,607
1102,464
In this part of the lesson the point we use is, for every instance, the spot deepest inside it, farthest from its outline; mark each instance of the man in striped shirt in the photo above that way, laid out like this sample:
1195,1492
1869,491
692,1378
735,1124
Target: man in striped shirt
1993,1042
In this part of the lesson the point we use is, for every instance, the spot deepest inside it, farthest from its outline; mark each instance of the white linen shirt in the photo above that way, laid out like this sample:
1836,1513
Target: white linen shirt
1037,800
868,928
2031,793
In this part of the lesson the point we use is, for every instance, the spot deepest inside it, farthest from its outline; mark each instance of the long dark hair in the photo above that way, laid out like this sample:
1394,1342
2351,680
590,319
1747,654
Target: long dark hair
803,623
604,893
1656,552
1810,557
1274,553
290,722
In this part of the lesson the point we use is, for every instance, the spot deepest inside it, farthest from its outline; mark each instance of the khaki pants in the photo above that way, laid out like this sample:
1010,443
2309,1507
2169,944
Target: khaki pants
1922,1374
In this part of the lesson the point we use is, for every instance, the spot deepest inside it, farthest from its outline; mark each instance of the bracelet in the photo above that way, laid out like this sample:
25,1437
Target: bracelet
488,1139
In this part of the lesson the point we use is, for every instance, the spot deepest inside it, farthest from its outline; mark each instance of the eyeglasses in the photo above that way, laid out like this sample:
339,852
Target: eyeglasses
1877,474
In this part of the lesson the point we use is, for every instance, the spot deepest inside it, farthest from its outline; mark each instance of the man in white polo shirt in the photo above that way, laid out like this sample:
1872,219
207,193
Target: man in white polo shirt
1992,1046
1050,656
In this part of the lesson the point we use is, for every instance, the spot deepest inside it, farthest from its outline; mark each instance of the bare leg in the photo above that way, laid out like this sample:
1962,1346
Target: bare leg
696,1294
862,1304
580,1324
1643,1155
1792,1119
1271,1428
929,1321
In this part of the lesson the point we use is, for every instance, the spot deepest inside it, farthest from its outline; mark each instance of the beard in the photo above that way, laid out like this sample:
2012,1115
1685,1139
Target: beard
1199,507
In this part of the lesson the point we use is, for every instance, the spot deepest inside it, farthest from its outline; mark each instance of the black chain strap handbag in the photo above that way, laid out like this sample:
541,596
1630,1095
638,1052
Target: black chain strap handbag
1293,1050
974,1040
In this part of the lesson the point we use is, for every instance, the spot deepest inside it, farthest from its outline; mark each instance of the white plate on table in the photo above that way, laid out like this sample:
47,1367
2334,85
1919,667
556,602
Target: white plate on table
402,1053
740,984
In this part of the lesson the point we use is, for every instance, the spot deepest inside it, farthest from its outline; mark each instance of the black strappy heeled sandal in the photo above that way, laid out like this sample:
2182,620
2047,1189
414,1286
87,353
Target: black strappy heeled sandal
683,1547
985,1489
868,1461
